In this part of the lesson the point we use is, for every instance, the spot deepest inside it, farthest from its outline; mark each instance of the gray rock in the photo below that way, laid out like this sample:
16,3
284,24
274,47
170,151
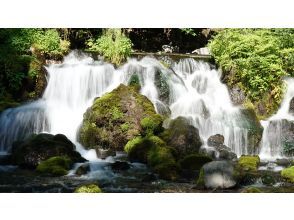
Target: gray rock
218,174
291,107
104,153
237,95
215,140
83,169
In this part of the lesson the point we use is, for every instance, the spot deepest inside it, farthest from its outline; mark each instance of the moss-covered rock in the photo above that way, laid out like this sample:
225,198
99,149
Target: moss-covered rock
118,117
249,162
182,136
251,190
288,174
194,161
246,170
155,153
56,166
249,121
5,104
91,188
31,151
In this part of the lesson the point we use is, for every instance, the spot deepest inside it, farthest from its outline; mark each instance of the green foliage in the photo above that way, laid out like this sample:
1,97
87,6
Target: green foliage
189,31
252,190
152,124
249,162
113,45
288,174
20,47
256,58
91,188
56,166
132,143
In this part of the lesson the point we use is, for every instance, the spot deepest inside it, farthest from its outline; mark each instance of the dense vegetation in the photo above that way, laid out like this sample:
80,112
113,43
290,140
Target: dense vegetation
22,54
256,60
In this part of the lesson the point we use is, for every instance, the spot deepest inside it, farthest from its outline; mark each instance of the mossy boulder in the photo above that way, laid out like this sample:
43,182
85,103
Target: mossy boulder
90,188
246,170
118,117
249,121
288,174
56,166
249,162
31,151
155,153
194,161
182,136
251,190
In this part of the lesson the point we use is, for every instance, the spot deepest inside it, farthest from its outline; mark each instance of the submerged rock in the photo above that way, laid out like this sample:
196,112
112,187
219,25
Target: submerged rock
217,174
83,169
118,117
182,136
31,151
120,165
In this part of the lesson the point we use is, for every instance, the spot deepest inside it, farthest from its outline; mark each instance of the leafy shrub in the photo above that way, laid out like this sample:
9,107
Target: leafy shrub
113,45
256,58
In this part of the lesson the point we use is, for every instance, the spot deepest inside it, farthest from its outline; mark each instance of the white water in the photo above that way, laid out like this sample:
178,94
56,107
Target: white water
271,144
195,93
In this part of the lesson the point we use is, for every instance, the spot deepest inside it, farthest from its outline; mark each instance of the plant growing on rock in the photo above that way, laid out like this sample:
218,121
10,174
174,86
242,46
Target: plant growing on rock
113,45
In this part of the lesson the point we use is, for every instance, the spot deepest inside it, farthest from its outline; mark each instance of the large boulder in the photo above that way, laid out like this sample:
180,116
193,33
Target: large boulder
215,140
56,166
248,120
288,174
182,136
155,153
118,117
284,129
31,151
217,174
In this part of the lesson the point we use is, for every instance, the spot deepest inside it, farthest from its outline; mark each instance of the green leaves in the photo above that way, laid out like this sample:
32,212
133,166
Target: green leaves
113,45
259,58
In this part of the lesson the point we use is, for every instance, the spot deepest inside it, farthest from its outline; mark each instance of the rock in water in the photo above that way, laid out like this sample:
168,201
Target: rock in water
183,137
215,140
217,174
31,151
250,122
118,117
291,107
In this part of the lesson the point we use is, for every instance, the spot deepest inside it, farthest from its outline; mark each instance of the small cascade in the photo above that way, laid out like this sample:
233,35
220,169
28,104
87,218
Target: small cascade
189,88
279,129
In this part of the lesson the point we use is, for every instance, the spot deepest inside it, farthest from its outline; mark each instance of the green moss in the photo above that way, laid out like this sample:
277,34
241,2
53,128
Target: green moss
115,118
252,190
124,127
132,144
152,124
194,161
56,166
200,181
167,170
249,162
159,155
5,104
288,174
91,188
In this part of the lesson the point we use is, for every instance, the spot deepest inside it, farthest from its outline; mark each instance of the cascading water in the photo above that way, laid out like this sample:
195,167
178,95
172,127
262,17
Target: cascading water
278,129
190,89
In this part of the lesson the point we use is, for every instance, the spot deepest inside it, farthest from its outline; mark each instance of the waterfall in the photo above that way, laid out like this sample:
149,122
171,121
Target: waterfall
278,129
189,88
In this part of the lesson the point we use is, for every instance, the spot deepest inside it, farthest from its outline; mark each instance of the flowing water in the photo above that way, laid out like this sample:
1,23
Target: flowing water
189,88
276,128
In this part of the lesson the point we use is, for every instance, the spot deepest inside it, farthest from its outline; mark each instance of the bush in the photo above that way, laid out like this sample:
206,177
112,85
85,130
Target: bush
256,59
113,45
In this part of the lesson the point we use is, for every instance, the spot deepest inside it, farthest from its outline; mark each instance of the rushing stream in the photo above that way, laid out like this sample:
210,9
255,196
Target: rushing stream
192,89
